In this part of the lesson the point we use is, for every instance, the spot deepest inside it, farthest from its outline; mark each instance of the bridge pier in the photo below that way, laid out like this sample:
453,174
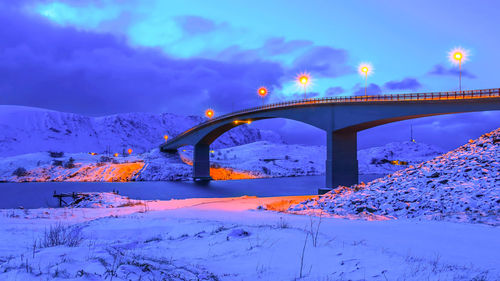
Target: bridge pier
341,160
201,162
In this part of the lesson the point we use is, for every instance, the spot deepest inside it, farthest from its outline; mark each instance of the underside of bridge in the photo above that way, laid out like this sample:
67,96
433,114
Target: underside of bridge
341,123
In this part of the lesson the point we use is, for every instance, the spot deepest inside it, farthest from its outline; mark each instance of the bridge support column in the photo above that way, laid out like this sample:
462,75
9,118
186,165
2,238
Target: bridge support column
341,160
201,162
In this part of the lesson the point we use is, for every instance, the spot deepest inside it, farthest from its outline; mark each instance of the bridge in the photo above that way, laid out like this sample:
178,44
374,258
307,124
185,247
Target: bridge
341,117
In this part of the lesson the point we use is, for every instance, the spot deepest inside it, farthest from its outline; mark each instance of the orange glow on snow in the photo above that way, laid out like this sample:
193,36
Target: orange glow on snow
219,173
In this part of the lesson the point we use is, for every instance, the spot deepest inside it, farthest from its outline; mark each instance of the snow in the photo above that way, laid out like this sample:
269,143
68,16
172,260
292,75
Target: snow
375,160
29,130
230,239
258,159
461,185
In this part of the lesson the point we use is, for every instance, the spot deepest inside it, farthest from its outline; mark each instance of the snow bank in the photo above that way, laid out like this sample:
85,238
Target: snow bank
103,200
461,185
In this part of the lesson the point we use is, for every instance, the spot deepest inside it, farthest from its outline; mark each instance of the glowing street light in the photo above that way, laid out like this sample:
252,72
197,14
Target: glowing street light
262,92
129,151
209,113
365,69
303,80
165,137
458,56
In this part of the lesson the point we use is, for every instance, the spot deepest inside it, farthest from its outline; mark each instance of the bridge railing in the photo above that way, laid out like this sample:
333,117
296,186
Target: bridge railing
453,95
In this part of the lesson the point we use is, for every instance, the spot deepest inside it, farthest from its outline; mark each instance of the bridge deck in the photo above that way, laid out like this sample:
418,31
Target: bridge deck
453,95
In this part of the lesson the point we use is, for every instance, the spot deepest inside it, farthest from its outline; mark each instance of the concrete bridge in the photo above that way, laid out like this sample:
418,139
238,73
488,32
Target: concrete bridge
341,117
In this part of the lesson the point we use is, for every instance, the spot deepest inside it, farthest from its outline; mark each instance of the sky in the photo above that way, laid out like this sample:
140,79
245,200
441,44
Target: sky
112,56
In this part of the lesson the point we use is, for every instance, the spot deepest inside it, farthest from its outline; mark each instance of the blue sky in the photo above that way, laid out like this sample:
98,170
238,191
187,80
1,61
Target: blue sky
182,57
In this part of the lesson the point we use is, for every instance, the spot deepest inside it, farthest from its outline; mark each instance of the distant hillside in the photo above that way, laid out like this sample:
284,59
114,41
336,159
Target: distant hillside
27,130
376,160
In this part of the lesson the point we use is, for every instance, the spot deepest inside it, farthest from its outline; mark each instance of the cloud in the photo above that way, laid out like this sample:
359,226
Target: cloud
237,54
272,47
192,25
62,68
334,91
405,84
322,61
372,89
441,70
278,46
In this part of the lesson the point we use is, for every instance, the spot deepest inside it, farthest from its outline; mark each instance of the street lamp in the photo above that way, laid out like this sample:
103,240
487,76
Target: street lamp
365,69
304,79
262,92
458,56
209,113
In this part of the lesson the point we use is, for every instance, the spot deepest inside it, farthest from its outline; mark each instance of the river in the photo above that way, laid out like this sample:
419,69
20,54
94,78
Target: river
39,194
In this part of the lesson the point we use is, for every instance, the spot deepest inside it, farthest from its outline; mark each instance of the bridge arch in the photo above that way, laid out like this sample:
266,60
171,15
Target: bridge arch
341,118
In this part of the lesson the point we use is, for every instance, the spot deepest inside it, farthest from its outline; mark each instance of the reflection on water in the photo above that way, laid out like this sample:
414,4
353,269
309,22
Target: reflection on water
39,194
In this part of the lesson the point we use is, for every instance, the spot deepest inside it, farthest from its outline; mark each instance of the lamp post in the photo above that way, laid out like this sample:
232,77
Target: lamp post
458,56
262,92
365,69
303,80
165,137
209,113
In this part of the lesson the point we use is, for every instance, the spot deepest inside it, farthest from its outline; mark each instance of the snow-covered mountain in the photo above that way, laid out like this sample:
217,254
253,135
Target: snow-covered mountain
27,130
461,185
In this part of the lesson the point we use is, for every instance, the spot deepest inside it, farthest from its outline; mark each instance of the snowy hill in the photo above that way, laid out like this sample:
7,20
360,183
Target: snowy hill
27,130
257,159
376,160
461,185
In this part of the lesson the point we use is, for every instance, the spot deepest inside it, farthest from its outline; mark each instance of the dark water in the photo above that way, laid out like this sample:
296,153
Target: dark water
39,195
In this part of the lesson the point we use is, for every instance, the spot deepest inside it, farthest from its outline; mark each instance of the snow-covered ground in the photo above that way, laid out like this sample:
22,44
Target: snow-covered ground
257,159
461,185
233,239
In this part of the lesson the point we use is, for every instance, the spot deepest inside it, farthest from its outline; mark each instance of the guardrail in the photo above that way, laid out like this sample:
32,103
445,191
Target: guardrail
456,95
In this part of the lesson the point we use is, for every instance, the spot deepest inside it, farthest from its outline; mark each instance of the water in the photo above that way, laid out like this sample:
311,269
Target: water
39,195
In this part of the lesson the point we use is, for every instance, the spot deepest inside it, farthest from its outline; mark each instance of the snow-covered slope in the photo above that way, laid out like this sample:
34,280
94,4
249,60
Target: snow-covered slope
376,160
461,185
27,130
